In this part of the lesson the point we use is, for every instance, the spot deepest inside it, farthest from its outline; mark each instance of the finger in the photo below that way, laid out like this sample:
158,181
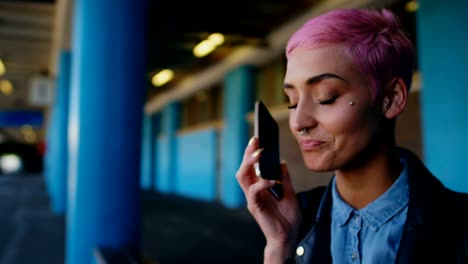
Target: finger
251,146
255,190
248,153
246,174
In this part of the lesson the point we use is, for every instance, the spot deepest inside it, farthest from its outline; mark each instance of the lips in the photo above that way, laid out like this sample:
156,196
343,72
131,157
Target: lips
310,144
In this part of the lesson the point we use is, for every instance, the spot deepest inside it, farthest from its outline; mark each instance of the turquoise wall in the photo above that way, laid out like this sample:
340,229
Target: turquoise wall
163,175
443,61
196,156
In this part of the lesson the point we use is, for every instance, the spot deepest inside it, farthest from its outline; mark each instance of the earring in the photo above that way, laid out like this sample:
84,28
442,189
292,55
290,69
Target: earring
302,132
351,102
386,105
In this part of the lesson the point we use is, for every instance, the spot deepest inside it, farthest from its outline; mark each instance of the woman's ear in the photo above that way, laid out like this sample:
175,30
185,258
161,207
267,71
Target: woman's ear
396,95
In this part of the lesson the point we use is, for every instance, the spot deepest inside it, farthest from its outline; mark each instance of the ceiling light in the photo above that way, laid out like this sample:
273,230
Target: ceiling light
162,77
2,68
203,48
6,87
412,6
208,45
216,38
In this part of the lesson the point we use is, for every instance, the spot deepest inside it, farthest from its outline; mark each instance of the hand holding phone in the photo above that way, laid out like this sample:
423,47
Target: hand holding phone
267,132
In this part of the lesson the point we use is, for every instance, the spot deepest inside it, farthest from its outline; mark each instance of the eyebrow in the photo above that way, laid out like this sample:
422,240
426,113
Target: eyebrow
316,79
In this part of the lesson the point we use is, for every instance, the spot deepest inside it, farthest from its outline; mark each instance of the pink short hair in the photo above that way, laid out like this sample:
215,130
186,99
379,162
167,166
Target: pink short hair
374,39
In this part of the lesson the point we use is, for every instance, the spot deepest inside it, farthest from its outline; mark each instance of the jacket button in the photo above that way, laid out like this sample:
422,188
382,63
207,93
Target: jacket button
300,251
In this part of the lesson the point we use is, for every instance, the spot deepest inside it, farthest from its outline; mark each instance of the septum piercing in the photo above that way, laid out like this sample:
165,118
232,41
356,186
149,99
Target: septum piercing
302,132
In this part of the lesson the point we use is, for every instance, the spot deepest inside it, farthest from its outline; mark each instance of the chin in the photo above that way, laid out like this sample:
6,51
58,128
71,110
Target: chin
318,165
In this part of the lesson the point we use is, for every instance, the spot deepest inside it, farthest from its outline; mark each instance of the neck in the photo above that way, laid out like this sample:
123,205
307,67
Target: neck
361,185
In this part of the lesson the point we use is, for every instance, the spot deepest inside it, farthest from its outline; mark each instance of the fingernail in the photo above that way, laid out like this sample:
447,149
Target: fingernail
257,170
257,152
251,141
283,162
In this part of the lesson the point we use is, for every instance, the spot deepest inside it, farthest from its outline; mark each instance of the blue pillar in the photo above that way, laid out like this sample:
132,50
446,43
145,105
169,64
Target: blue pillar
106,106
167,147
58,151
443,60
238,101
147,144
48,153
155,158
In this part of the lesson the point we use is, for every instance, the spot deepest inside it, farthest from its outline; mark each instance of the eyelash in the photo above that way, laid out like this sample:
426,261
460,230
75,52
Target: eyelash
325,102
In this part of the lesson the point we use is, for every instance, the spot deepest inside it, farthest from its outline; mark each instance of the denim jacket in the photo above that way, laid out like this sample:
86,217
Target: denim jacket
435,231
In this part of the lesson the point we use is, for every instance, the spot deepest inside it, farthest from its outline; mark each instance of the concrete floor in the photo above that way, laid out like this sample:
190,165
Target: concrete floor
29,232
176,230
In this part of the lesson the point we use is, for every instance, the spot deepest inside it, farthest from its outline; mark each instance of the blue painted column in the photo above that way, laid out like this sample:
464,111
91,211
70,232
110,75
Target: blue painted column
238,101
48,138
147,154
443,60
106,106
154,155
58,146
166,149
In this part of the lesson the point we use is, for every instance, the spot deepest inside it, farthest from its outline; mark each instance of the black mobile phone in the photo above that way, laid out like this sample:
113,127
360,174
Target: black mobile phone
267,132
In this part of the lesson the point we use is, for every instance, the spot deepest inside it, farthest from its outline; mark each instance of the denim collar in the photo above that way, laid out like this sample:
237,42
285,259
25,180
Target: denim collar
380,210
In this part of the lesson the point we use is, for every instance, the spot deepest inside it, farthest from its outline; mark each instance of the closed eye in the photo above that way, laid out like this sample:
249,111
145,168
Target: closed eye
327,102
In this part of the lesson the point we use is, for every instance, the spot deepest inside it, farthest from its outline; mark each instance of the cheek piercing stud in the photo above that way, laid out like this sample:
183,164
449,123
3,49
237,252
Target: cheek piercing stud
302,132
351,102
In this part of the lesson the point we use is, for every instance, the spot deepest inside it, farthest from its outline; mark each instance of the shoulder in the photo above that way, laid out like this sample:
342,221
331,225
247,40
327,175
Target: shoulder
455,206
454,211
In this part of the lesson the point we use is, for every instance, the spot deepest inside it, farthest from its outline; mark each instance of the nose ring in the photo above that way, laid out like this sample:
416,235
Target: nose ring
302,132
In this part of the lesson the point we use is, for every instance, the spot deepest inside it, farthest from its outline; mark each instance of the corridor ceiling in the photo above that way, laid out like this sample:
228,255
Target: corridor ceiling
173,29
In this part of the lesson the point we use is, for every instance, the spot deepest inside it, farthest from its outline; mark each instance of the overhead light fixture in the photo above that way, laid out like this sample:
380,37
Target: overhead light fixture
216,38
203,48
2,67
208,45
162,77
6,87
412,6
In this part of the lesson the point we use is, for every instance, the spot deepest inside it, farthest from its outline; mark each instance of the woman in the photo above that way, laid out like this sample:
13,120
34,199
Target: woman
347,78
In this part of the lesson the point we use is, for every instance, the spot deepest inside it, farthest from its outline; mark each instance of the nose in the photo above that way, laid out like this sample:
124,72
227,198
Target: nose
303,117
